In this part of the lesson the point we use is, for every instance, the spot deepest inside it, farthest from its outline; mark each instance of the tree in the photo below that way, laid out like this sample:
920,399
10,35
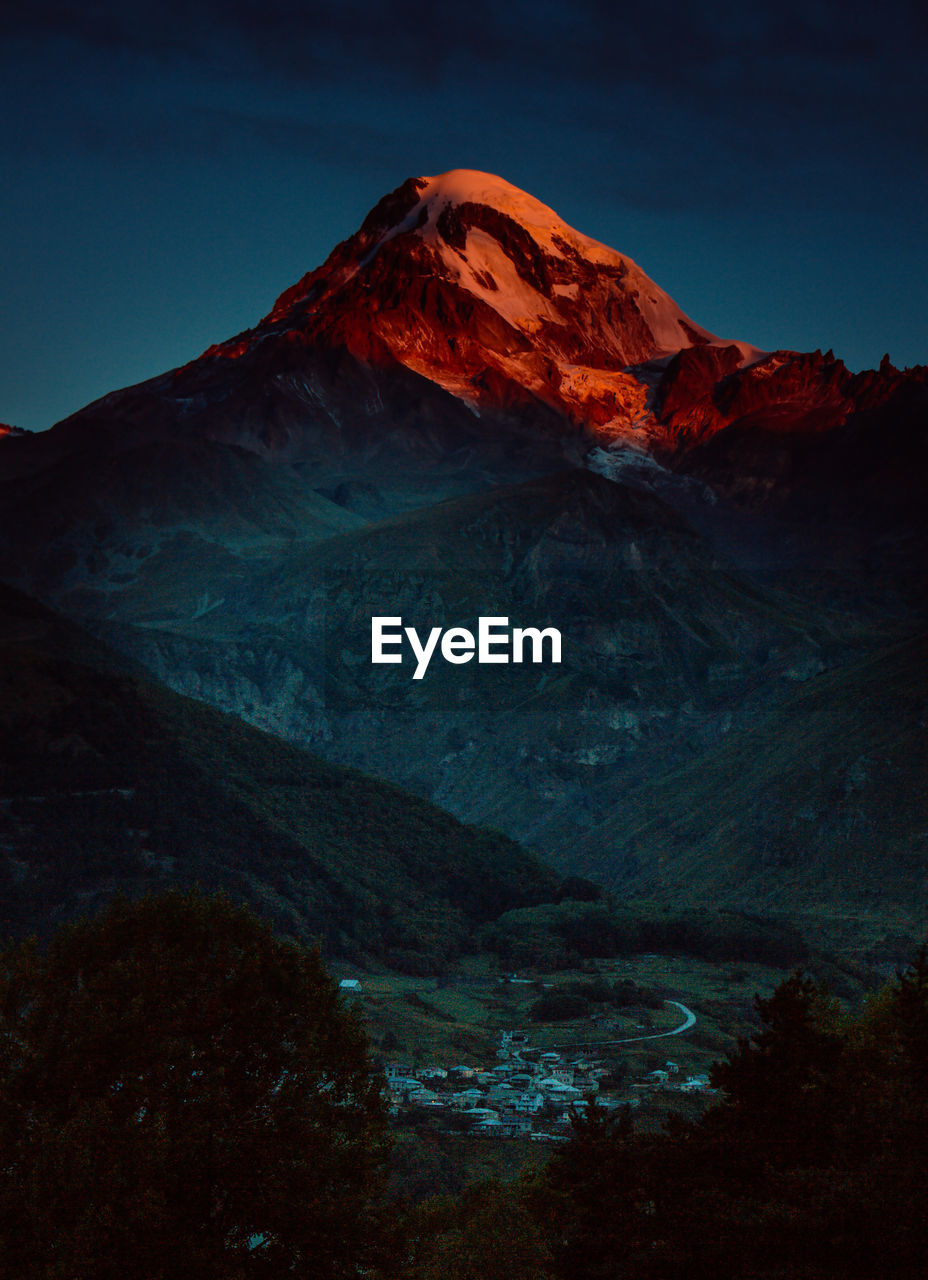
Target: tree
813,1165
593,1197
778,1085
182,1093
488,1234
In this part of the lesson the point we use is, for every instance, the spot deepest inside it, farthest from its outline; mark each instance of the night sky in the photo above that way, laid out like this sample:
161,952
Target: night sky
170,168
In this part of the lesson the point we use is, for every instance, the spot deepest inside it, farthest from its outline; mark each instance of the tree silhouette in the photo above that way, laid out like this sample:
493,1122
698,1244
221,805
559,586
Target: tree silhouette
812,1166
182,1093
778,1084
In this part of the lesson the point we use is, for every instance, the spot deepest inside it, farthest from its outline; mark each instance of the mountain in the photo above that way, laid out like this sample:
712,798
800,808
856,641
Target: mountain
472,409
487,293
466,317
665,650
818,799
463,338
110,782
503,302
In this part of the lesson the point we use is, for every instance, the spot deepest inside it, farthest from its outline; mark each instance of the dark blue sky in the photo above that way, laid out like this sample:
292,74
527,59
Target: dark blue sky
170,168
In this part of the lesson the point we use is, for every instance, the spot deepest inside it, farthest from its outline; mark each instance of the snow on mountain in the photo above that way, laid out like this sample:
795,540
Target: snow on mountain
670,327
479,287
548,342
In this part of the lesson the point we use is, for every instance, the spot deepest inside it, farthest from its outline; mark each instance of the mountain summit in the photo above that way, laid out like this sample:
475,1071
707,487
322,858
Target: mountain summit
484,290
465,334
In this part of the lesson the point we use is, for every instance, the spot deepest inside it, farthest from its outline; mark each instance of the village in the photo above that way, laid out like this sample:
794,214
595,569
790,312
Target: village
528,1093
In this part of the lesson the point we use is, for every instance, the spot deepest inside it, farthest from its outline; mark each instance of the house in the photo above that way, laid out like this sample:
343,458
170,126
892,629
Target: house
501,1096
480,1114
562,1100
514,1126
349,987
467,1097
586,1085
432,1073
491,1127
404,1088
555,1088
694,1084
426,1098
529,1103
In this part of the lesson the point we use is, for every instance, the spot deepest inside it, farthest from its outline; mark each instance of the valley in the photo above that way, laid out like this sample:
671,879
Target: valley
470,410
463,1055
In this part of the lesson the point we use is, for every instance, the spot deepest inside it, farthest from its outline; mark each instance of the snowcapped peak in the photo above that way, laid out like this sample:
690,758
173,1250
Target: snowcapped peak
518,255
471,187
476,285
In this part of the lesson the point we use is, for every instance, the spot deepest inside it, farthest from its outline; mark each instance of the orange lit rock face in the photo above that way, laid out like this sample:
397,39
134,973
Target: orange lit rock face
485,292
496,302
465,317
704,391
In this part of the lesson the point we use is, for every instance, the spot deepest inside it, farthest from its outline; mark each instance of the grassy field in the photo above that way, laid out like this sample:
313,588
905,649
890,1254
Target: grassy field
442,1022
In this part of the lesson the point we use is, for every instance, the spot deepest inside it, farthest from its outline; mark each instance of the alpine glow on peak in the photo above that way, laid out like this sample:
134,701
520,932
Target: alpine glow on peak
482,289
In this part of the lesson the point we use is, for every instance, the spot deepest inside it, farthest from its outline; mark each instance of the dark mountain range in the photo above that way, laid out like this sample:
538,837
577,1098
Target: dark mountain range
820,798
471,409
466,332
664,649
110,782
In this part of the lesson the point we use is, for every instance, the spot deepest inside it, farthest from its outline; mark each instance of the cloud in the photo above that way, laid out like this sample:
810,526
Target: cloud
716,104
584,39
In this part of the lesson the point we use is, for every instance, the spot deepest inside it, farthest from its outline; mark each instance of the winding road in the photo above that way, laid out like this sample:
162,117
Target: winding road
689,1020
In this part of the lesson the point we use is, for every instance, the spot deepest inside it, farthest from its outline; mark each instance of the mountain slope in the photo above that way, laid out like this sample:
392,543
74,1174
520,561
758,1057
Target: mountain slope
822,800
665,649
109,781
465,336
500,298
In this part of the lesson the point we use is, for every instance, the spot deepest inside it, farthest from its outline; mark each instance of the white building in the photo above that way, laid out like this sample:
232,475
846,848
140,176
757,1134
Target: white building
529,1103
